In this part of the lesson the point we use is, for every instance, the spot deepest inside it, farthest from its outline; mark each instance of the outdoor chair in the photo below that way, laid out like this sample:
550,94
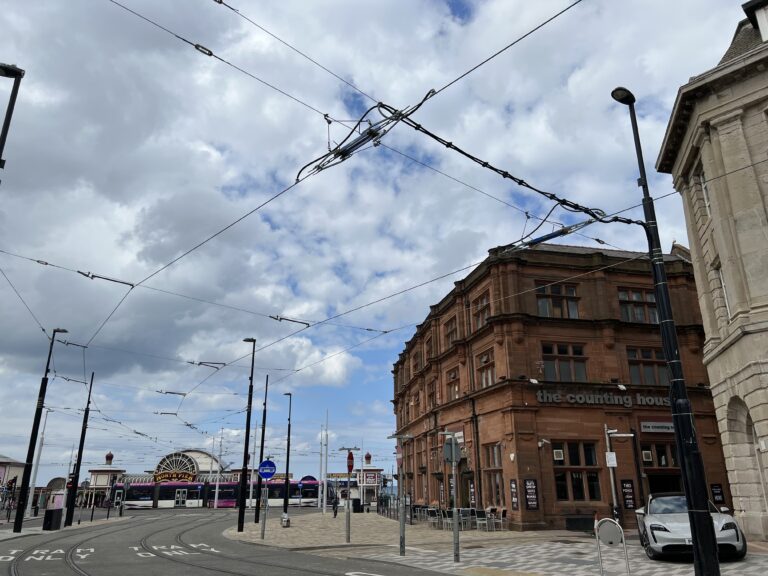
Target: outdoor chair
433,519
465,518
500,520
448,519
481,520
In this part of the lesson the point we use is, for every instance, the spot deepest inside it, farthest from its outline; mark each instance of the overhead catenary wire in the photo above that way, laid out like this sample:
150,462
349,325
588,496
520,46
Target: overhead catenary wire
507,47
23,302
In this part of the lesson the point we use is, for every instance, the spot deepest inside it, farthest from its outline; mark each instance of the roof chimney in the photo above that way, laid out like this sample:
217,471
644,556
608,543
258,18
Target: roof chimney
757,12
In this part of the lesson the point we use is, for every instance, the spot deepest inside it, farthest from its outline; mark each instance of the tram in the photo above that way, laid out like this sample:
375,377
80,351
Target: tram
303,492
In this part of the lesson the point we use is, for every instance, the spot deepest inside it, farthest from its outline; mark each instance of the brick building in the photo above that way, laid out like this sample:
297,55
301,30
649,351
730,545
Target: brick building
714,148
530,358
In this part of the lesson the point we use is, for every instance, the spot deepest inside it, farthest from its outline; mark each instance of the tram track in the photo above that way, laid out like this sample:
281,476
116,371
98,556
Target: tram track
251,564
13,568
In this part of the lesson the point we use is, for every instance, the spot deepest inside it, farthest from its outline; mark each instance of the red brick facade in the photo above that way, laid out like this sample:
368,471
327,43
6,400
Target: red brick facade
527,358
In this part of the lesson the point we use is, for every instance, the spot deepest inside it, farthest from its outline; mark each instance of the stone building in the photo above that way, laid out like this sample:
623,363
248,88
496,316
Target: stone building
529,360
715,149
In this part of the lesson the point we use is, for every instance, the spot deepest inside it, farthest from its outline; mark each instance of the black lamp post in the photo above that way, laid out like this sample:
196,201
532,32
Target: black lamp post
72,493
691,465
23,494
287,461
261,450
244,473
9,71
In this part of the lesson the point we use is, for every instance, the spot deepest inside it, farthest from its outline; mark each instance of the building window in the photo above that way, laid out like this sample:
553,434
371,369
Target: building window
647,366
574,465
416,361
557,300
482,310
638,305
494,478
721,278
486,369
428,348
452,384
431,397
659,455
705,194
451,331
564,362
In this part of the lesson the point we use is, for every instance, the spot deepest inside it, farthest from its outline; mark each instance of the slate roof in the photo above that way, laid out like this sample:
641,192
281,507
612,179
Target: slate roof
746,39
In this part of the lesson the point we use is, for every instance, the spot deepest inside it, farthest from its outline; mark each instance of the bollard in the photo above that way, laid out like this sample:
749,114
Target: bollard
93,509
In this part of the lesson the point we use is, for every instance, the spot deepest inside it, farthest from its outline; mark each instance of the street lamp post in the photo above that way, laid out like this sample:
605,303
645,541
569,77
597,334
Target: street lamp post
286,521
244,473
9,71
454,457
24,493
692,467
30,503
609,434
72,493
261,450
400,486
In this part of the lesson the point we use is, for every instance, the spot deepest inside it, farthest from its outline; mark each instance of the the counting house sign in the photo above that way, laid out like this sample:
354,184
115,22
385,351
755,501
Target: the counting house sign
176,467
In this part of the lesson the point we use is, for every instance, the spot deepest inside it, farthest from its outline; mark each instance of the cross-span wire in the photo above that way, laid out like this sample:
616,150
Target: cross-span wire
507,47
23,301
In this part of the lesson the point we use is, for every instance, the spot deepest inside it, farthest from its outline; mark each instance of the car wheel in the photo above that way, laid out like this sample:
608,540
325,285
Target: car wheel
740,554
650,552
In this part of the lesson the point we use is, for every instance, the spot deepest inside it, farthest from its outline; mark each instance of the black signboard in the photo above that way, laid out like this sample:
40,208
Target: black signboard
628,493
531,494
717,493
513,492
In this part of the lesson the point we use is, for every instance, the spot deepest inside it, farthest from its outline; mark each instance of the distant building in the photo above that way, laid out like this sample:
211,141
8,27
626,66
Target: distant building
715,149
10,478
528,360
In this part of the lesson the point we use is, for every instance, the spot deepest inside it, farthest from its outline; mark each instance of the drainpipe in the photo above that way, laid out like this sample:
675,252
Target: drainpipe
476,435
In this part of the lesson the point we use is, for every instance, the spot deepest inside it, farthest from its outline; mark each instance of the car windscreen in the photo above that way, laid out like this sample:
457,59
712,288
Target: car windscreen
668,505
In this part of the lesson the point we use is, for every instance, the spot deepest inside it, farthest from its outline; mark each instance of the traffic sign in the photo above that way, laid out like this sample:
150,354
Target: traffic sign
350,461
399,456
267,469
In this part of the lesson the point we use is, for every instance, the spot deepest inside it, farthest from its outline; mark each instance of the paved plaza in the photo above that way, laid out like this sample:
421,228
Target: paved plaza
506,553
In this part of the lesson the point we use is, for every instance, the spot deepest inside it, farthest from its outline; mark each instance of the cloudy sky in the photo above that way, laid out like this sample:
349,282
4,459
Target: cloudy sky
129,148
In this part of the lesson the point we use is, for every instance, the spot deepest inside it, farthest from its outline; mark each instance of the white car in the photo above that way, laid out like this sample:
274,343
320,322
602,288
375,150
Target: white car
665,529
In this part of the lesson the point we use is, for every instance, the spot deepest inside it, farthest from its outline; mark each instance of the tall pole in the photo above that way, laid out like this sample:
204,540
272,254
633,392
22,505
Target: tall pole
9,71
254,467
218,471
72,493
320,494
244,473
261,449
614,498
24,491
401,495
325,475
705,559
287,487
30,503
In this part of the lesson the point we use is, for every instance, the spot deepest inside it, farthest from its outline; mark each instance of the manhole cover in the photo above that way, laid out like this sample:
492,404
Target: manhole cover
473,546
565,542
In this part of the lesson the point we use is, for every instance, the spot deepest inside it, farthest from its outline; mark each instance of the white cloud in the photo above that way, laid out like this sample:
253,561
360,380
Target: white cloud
129,147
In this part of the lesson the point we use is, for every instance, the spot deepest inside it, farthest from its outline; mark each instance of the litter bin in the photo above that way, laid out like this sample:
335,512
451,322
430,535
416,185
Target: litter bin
356,505
52,519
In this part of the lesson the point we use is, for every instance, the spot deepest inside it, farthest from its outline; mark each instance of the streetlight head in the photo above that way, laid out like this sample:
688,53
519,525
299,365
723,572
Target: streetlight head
287,393
623,96
253,340
60,331
11,71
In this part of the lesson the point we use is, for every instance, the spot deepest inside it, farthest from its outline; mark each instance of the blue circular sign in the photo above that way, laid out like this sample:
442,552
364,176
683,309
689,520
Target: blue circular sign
267,469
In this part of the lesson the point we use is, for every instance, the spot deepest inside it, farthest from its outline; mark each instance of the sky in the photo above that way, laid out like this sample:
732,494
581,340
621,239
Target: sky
133,156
